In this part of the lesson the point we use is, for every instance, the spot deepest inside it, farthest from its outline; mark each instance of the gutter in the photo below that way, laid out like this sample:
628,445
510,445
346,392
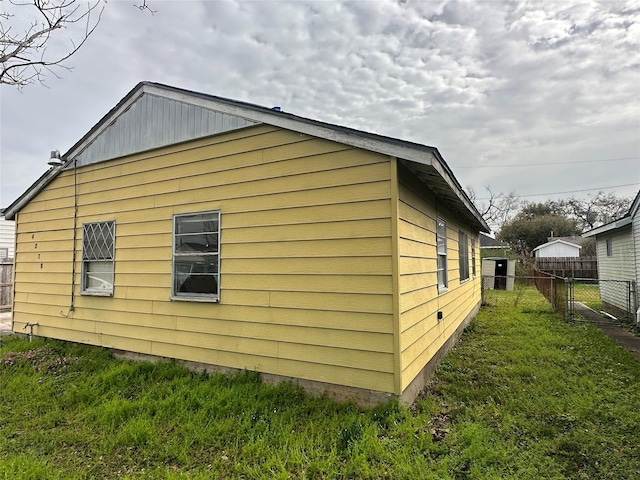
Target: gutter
623,222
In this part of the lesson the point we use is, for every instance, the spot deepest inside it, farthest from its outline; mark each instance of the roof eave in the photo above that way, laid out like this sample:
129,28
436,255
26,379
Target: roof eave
623,222
44,180
426,160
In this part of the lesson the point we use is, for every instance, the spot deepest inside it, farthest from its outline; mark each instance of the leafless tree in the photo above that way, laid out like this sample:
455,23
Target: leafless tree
595,210
38,36
496,208
144,6
31,33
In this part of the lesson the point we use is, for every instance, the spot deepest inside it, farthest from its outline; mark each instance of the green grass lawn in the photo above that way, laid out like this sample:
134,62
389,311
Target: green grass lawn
588,294
523,395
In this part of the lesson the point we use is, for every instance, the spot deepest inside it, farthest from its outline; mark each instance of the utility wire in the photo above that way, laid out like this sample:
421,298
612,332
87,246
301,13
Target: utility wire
549,163
571,191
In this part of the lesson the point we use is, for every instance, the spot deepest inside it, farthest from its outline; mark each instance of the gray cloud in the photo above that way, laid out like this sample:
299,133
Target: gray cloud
488,83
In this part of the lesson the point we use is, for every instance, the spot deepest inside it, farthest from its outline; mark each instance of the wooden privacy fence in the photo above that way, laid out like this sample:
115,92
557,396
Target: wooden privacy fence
6,279
572,267
554,289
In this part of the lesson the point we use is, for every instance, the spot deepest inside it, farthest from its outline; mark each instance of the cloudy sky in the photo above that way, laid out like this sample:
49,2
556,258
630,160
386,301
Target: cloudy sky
534,97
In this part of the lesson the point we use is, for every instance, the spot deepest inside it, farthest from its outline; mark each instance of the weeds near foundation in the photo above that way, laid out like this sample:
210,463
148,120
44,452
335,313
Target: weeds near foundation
523,395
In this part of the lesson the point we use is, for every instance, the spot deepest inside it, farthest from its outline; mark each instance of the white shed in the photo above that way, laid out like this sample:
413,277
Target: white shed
557,248
498,273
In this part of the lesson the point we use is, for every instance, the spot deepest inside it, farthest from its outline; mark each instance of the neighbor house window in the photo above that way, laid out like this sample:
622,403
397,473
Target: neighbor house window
609,247
463,255
441,242
473,257
196,257
98,241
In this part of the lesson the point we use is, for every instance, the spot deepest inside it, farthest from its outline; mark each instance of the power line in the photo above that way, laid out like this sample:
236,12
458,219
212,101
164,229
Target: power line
572,191
549,163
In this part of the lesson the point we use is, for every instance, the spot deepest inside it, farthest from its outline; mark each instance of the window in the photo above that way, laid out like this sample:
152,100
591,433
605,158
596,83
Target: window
98,241
441,242
196,257
473,257
463,249
4,253
609,247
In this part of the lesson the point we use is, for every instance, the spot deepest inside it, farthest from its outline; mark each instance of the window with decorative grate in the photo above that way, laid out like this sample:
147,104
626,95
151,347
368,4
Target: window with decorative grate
196,257
98,245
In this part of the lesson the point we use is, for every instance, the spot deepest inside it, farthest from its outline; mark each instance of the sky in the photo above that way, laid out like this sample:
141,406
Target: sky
540,98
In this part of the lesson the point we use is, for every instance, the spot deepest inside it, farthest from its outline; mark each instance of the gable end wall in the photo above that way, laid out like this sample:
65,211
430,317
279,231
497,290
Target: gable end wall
306,257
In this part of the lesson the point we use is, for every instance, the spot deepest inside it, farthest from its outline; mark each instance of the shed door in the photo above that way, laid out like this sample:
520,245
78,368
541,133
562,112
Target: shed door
501,274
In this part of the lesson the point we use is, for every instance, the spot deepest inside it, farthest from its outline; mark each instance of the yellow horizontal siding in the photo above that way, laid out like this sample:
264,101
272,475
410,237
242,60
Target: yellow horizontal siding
321,372
370,284
352,321
306,276
348,247
421,334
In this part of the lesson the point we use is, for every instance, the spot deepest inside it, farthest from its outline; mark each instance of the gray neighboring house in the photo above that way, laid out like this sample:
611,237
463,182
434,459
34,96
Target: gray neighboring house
490,247
618,251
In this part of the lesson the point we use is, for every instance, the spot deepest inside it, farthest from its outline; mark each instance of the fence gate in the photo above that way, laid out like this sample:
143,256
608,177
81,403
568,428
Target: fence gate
601,301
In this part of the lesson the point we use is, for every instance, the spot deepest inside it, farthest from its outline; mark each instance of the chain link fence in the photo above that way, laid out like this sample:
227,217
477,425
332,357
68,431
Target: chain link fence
576,299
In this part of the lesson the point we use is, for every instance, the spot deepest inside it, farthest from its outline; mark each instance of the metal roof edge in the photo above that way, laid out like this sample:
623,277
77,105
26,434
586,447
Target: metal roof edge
35,188
402,149
634,205
558,240
623,222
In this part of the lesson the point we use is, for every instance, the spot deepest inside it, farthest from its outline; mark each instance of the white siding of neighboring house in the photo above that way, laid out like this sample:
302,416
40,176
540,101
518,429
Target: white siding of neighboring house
558,249
636,246
7,236
619,266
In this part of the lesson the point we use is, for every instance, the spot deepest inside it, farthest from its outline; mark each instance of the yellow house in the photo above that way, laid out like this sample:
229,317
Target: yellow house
233,236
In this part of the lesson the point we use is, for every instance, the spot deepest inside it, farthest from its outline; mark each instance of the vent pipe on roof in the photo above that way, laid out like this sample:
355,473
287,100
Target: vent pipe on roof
55,160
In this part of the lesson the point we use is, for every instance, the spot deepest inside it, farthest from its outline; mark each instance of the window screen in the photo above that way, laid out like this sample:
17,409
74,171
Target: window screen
196,256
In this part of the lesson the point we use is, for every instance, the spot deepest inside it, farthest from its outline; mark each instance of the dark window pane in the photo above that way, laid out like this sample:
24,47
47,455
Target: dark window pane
206,242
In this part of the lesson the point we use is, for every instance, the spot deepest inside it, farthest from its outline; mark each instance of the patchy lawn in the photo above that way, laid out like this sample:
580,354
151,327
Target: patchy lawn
523,395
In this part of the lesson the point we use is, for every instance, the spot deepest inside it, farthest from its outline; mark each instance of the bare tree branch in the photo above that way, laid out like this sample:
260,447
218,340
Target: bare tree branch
144,6
497,208
25,50
31,39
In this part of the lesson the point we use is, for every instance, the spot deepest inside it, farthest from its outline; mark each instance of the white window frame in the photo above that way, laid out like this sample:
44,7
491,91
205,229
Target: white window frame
208,265
609,247
441,252
463,255
98,258
473,257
